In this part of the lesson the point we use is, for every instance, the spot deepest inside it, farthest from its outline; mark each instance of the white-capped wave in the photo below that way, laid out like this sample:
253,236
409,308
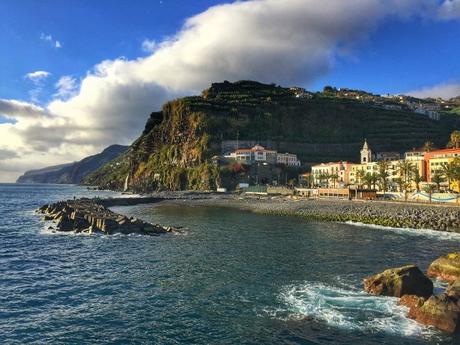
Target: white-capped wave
444,235
350,309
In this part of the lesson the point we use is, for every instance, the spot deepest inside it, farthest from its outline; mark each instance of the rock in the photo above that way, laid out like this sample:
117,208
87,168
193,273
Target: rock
441,311
88,216
454,289
397,282
411,301
64,223
446,267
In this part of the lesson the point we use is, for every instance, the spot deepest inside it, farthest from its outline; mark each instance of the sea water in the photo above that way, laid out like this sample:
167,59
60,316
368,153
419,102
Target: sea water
229,277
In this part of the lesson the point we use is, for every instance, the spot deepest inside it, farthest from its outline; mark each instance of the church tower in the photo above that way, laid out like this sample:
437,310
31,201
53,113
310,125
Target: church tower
366,153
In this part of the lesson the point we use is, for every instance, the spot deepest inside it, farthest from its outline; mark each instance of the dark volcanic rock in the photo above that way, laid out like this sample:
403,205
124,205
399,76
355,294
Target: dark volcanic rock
88,216
397,282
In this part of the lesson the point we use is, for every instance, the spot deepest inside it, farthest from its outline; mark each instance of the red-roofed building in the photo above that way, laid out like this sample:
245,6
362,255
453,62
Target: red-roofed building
435,160
260,154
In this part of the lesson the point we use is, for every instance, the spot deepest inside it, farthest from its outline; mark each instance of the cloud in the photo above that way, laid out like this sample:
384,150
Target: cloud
290,42
50,40
37,76
66,87
149,46
445,91
38,79
450,9
19,110
7,154
45,37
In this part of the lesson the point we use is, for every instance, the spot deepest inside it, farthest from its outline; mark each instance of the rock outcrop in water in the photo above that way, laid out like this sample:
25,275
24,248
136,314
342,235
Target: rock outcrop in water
446,267
397,282
441,311
88,216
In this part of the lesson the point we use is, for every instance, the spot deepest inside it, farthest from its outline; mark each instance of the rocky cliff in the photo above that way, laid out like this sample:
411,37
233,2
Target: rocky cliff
72,173
177,147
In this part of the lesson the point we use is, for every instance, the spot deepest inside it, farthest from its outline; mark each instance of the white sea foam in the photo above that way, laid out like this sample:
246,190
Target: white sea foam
443,235
350,309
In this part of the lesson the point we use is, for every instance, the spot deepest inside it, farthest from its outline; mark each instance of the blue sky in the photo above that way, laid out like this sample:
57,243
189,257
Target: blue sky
79,75
89,31
402,55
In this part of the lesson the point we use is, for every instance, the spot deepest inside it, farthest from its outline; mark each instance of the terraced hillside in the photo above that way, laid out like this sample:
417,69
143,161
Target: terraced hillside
176,148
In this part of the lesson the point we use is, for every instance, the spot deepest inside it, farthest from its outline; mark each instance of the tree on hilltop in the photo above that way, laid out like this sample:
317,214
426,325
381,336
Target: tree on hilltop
454,140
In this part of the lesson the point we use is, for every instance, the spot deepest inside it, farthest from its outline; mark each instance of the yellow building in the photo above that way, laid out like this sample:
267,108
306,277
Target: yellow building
435,160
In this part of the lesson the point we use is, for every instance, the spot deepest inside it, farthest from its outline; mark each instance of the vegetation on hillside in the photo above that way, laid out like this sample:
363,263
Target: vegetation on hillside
177,147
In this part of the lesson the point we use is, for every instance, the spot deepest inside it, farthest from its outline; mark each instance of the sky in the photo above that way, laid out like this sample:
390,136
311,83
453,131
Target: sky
79,75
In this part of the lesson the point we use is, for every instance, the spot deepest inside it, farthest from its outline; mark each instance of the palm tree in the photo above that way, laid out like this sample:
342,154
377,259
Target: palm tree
323,177
405,169
334,178
417,178
448,172
428,146
370,180
437,179
454,140
360,174
383,174
429,188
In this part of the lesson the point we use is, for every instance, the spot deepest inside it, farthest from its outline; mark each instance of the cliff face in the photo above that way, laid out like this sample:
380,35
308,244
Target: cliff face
176,148
72,173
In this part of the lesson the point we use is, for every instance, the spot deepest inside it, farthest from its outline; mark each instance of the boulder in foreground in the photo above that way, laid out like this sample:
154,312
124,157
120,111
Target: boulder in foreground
397,282
446,267
441,311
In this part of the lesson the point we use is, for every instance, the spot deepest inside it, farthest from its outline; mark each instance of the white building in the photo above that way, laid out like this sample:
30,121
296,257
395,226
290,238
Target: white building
260,154
256,154
288,159
366,153
431,114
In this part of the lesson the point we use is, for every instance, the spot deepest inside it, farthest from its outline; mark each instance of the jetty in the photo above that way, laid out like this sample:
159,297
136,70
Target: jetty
93,216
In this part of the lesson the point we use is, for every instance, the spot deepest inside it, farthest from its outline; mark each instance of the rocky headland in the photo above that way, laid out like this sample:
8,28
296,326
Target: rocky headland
416,292
89,216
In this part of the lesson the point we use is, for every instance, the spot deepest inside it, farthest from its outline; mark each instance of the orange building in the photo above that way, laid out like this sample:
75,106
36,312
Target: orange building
434,160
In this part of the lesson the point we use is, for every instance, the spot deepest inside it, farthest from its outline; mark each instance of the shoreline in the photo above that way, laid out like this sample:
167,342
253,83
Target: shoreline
381,213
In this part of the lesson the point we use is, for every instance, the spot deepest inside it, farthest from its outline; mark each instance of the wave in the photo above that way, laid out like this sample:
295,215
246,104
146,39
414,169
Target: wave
444,235
348,308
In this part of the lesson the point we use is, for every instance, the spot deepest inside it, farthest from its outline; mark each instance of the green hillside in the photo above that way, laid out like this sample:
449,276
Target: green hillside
176,147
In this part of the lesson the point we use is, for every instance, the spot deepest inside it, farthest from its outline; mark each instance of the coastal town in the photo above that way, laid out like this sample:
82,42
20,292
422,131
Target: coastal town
424,174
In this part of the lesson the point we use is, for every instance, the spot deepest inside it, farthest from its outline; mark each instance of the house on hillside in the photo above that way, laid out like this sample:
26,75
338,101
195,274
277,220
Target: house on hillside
259,154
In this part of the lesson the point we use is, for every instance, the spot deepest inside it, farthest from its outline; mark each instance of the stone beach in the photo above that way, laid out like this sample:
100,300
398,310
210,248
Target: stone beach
390,214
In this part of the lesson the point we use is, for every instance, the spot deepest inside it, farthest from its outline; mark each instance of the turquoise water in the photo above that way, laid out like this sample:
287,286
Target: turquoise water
230,278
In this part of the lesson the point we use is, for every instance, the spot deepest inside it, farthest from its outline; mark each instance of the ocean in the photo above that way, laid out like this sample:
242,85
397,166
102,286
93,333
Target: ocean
230,277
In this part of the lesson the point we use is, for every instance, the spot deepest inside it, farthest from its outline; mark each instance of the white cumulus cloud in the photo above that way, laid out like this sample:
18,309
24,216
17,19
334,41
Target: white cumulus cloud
50,40
149,46
289,42
66,87
445,91
37,76
450,9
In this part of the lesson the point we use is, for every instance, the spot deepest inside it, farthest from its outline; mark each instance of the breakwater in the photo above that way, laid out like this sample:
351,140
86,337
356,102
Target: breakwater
93,216
397,215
